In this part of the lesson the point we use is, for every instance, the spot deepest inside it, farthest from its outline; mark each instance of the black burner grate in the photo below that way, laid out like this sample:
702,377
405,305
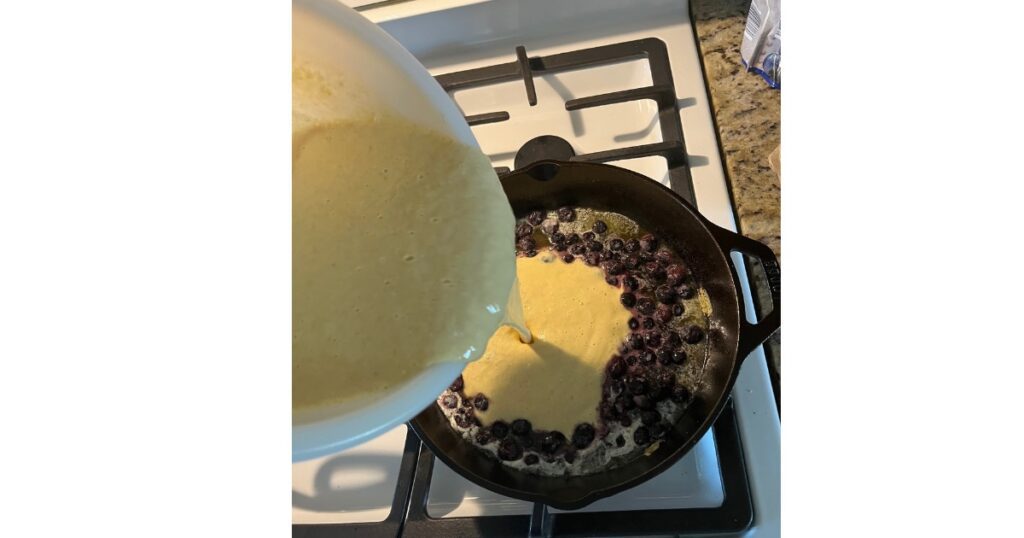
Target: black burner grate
662,91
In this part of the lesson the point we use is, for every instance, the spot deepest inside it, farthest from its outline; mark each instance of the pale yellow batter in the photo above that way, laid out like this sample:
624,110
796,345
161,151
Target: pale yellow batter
402,256
577,324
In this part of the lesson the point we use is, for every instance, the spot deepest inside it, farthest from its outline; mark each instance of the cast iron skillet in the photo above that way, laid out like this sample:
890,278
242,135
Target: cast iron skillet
705,248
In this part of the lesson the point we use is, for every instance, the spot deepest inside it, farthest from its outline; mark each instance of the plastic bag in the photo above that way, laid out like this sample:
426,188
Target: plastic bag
761,49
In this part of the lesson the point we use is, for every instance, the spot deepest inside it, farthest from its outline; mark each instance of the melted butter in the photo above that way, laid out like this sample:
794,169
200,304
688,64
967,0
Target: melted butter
577,324
402,256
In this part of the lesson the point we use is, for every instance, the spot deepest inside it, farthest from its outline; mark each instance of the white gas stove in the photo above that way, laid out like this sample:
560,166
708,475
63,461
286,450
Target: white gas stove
729,482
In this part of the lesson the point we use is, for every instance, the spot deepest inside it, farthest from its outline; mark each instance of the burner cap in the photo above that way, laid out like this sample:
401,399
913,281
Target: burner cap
543,147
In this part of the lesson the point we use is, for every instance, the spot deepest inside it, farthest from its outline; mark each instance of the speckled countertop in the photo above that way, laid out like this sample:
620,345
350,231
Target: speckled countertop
748,120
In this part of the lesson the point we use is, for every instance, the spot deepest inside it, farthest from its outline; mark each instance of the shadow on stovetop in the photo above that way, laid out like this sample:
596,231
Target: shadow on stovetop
348,496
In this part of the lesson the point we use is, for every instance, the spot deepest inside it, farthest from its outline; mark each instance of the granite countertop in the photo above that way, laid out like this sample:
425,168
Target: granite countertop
748,120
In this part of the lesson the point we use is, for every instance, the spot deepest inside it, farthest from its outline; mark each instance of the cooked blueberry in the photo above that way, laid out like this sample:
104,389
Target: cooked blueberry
620,441
568,258
663,256
625,421
482,437
631,261
665,380
566,214
527,441
665,356
531,459
659,430
687,292
637,385
624,403
616,244
456,385
676,274
572,239
649,243
693,335
510,450
535,218
558,237
616,367
530,253
636,341
591,258
499,429
643,401
551,442
665,295
612,280
608,411
663,314
614,267
649,417
594,246
463,421
678,310
467,403
600,227
647,357
641,436
570,456
629,283
523,230
617,386
578,249
608,256
526,243
480,402
449,401
680,394
645,306
647,323
627,299
631,361
673,340
652,339
521,427
632,245
633,323
679,356
588,236
583,435
654,271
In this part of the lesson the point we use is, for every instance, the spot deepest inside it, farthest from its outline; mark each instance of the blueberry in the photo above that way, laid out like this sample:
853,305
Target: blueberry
591,258
678,310
627,299
636,341
568,258
616,245
480,402
663,256
456,385
637,385
663,314
676,274
641,436
531,459
467,403
633,323
526,244
535,218
643,401
687,292
665,295
665,356
463,421
523,230
588,236
647,357
624,403
566,214
649,243
650,417
510,450
680,394
631,361
654,271
652,339
527,441
530,253
673,339
632,245
620,441
629,283
659,430
608,411
449,401
572,239
679,357
558,237
647,323
608,256
616,367
645,306
693,335
600,227
551,442
594,246
612,280
625,421
631,262
614,267
570,456
499,429
521,427
578,249
482,438
617,386
583,435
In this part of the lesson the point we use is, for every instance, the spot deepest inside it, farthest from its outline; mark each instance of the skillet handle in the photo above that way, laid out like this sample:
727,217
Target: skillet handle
753,335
